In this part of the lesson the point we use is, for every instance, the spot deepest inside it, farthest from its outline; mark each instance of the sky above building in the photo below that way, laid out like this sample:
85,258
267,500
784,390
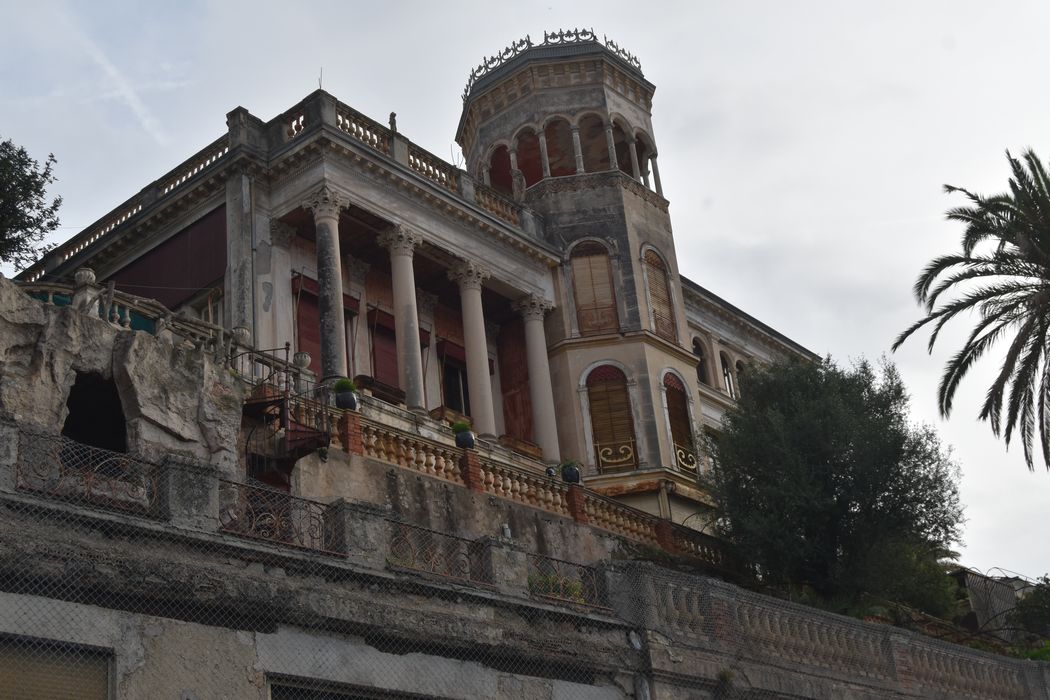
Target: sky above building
803,146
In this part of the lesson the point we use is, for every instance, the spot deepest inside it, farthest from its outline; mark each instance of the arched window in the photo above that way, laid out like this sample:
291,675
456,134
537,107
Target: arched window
560,153
740,369
593,288
678,417
643,150
529,157
612,427
623,150
499,171
594,146
727,374
660,296
703,372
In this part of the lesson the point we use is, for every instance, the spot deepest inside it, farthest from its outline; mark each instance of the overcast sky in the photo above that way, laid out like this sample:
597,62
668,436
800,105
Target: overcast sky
803,146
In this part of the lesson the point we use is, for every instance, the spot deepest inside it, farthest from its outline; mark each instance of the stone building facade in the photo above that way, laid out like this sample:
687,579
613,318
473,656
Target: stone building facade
184,513
537,291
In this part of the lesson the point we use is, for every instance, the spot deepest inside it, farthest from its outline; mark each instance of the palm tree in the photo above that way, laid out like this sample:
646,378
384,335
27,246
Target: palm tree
1002,273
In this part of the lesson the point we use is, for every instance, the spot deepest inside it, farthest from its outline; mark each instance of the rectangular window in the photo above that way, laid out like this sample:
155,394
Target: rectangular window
36,669
454,383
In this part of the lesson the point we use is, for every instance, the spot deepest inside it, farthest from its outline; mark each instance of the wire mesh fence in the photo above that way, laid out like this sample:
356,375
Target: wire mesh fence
123,576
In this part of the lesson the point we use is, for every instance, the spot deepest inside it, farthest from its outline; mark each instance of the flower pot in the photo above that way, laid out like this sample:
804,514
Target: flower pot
465,439
570,473
346,399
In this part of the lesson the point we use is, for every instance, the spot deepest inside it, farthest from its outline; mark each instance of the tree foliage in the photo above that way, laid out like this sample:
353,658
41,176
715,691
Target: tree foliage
821,480
1003,273
25,215
1032,612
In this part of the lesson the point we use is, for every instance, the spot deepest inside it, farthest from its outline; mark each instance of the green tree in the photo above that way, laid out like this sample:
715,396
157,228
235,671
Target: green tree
25,215
1003,274
821,480
1032,612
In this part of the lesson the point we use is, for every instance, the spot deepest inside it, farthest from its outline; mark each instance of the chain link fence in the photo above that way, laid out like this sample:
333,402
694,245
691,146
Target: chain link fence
126,577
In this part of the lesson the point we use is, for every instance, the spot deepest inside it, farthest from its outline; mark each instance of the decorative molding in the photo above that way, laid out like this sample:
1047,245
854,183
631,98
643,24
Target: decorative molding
399,240
282,234
469,275
533,307
325,202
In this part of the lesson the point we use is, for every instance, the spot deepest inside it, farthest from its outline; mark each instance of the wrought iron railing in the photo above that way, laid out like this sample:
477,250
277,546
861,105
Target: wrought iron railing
64,469
566,582
432,552
615,456
261,513
685,457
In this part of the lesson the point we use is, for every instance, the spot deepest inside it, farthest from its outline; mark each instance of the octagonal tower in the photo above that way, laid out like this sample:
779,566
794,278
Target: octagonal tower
565,126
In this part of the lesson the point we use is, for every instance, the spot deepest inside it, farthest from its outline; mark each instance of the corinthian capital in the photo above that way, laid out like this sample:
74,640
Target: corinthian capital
533,307
469,275
325,202
399,240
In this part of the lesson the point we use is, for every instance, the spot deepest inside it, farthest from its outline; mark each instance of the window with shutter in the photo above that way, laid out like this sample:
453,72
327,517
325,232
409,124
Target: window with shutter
727,374
678,417
612,426
593,288
660,296
384,356
39,670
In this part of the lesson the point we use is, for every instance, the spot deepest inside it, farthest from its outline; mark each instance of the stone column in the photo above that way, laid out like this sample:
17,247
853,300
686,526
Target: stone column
545,161
610,141
486,175
577,149
240,274
402,245
469,276
325,205
544,424
513,152
656,176
635,170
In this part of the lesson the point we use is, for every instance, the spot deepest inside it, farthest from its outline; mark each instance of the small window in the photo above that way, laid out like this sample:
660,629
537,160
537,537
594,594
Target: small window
702,370
593,287
612,425
727,375
660,296
678,418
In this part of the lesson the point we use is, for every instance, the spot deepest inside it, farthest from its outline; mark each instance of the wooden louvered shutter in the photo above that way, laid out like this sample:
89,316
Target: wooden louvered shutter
308,329
660,296
42,671
593,289
384,356
611,422
678,417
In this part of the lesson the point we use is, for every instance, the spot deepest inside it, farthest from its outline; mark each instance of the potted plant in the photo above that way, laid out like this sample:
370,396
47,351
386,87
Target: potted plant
464,435
345,393
570,471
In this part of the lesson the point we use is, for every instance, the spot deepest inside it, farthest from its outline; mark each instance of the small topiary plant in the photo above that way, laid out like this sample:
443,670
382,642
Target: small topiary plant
343,384
460,426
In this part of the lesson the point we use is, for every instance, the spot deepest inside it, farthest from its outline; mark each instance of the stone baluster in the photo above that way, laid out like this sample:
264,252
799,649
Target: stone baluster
326,204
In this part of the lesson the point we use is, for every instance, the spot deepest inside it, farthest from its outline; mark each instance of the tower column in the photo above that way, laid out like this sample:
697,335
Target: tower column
469,276
637,172
656,176
577,149
544,158
326,204
402,245
541,395
610,141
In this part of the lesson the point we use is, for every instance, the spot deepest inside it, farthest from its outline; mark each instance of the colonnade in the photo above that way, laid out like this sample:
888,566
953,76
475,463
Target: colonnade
402,243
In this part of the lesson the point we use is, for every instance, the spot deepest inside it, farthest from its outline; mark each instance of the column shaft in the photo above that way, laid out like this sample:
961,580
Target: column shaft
326,204
541,394
577,149
545,161
469,276
610,141
402,244
656,176
637,172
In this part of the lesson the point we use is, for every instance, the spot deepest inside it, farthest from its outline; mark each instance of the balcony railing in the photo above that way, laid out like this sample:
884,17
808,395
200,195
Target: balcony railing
261,513
565,581
65,469
432,552
615,456
685,457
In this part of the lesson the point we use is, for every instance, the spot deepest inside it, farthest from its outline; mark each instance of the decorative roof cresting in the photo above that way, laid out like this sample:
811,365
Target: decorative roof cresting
560,37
